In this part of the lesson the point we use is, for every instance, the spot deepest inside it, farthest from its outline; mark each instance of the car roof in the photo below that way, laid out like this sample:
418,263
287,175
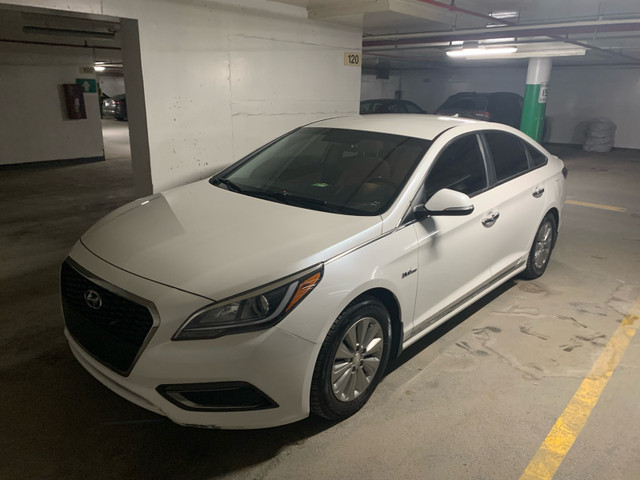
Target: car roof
419,126
486,94
386,100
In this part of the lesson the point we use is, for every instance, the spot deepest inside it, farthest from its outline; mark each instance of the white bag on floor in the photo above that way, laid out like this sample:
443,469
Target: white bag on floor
600,135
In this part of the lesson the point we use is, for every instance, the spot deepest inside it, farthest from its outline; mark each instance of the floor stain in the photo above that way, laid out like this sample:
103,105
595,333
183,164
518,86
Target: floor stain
592,308
535,367
516,310
467,347
478,331
528,331
532,287
571,346
593,339
572,320
579,340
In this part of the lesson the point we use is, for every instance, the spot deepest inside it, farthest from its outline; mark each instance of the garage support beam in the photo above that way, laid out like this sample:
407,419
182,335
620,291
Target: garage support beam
535,97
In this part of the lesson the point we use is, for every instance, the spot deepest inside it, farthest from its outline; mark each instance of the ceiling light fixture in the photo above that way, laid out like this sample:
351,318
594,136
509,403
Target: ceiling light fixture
481,52
499,40
99,68
502,14
68,32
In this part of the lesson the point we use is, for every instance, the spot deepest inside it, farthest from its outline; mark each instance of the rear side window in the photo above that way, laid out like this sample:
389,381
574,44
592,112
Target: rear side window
412,108
538,159
460,167
366,107
508,154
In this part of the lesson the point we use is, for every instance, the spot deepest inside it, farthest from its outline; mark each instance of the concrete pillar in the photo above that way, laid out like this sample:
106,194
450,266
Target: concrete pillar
535,97
136,107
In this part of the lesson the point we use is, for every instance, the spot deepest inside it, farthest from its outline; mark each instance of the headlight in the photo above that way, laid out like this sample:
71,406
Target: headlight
255,310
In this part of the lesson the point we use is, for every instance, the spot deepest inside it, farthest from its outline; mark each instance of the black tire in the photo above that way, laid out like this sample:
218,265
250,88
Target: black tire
541,249
346,374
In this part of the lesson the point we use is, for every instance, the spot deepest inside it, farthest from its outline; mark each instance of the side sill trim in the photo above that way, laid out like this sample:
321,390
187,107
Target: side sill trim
492,282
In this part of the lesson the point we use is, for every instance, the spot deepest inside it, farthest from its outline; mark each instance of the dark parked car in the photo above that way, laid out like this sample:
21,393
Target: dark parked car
115,107
103,98
389,105
502,107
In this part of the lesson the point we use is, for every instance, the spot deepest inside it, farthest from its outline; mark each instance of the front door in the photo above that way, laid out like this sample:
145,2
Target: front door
455,253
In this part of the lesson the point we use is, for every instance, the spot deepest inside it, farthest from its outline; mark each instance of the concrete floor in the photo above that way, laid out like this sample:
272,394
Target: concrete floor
473,400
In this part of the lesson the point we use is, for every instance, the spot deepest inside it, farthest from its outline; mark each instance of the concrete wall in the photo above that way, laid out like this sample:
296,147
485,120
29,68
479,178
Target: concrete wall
581,94
373,87
577,95
33,123
223,77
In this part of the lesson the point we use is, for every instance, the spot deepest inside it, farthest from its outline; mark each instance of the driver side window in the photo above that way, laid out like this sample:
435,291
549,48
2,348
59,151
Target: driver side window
460,167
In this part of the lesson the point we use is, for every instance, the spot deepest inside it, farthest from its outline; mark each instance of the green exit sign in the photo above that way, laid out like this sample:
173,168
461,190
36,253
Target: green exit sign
89,85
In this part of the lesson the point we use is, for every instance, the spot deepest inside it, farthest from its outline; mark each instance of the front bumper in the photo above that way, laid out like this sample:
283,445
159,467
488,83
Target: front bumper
273,362
276,365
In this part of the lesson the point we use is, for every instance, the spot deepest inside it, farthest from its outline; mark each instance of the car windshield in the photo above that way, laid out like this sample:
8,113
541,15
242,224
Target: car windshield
335,170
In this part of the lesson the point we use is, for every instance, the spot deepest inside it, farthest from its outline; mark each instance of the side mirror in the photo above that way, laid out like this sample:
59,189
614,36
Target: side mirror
446,202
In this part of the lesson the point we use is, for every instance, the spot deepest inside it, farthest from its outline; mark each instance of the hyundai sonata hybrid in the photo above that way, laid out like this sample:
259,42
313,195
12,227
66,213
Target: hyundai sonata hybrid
282,285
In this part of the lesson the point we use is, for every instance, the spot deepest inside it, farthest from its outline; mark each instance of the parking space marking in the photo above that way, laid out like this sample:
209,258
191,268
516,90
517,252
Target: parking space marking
551,453
596,205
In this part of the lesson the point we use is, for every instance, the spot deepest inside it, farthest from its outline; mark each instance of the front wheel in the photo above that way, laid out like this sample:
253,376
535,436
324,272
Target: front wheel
352,359
540,252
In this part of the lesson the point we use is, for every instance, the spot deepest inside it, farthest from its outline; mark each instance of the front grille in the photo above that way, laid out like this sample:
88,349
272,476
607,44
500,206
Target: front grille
114,332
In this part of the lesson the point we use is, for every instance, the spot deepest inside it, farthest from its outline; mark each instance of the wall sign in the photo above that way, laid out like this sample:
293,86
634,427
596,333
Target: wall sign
74,101
89,85
544,92
353,59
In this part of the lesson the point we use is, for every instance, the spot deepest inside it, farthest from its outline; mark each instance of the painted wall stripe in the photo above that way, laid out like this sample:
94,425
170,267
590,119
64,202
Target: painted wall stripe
596,205
551,453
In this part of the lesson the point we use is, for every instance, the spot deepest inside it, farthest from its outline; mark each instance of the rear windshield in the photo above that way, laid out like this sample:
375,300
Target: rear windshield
335,170
465,103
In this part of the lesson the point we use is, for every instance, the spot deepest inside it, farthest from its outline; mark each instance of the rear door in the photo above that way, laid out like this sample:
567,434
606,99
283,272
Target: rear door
518,196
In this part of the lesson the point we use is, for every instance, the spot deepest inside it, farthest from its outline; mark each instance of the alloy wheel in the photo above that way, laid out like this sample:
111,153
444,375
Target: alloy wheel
357,359
544,241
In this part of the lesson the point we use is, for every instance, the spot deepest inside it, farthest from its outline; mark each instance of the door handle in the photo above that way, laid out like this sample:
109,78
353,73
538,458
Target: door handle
538,192
490,220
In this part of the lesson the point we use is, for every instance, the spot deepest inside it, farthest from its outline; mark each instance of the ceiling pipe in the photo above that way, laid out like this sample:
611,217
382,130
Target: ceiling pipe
557,35
548,30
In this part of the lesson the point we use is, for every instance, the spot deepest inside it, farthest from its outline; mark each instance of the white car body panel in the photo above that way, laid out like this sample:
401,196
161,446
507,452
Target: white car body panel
176,252
267,240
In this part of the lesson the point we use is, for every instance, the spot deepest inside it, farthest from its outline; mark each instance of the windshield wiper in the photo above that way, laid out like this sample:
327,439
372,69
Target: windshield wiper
280,196
283,196
230,185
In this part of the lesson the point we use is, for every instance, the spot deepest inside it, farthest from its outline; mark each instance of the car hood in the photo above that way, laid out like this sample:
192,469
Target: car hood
216,243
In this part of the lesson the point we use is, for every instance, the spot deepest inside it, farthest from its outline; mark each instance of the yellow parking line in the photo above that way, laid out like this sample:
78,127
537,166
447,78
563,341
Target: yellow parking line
597,205
566,429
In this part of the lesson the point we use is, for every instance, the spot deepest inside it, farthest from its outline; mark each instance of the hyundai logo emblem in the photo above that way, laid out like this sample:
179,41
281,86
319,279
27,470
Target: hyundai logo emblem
93,299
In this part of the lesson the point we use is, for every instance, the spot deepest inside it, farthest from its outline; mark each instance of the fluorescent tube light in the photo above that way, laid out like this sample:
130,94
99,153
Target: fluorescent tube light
504,14
499,40
481,52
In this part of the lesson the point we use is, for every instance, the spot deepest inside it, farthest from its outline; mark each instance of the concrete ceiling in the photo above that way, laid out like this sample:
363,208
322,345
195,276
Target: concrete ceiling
413,34
397,34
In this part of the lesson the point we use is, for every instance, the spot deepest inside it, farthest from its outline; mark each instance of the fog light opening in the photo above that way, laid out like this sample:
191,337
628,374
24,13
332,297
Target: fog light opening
217,397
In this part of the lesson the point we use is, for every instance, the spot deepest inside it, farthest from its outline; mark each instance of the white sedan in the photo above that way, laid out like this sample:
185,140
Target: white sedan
282,285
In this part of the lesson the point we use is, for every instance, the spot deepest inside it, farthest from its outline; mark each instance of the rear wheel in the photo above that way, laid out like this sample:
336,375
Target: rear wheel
542,247
352,359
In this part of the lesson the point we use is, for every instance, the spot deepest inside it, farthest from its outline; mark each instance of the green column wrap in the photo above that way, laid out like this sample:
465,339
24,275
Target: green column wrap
535,105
